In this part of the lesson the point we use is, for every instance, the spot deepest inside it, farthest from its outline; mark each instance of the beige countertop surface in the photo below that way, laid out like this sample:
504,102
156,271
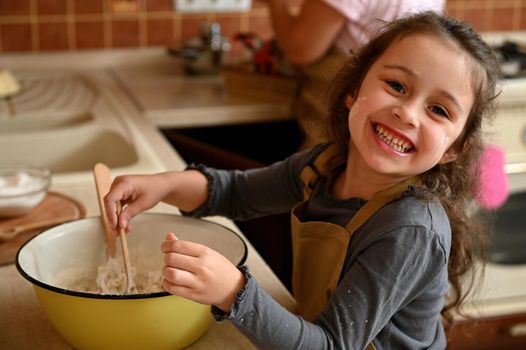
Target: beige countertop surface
23,325
156,84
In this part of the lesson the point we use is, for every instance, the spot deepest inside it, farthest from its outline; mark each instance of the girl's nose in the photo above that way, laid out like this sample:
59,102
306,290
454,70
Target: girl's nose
407,113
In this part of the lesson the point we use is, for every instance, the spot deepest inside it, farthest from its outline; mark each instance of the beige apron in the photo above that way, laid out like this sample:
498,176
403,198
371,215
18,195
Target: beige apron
312,111
320,248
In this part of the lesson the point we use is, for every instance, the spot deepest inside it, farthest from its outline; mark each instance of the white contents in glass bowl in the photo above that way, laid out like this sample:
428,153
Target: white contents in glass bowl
20,191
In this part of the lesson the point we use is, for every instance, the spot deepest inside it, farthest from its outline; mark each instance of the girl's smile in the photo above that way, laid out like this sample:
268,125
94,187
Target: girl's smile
393,140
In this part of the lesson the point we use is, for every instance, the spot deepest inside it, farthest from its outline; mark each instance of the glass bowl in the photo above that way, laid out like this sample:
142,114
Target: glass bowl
22,188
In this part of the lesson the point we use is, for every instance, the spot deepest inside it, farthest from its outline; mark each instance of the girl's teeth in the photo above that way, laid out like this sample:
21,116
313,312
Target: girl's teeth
392,141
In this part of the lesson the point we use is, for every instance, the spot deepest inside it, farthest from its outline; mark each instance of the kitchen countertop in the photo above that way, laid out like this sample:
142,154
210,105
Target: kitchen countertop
156,84
23,325
171,100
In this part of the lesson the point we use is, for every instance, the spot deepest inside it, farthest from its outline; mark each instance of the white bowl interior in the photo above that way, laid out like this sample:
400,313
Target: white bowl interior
81,243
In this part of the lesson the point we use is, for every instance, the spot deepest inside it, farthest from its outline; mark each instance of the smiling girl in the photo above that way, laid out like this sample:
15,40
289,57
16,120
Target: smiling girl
381,231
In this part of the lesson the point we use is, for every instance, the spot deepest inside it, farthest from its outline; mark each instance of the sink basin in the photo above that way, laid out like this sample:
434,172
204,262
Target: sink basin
66,121
48,100
68,150
71,113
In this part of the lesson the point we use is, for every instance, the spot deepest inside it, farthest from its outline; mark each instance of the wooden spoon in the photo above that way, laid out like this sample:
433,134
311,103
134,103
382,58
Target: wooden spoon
127,265
102,176
103,182
7,233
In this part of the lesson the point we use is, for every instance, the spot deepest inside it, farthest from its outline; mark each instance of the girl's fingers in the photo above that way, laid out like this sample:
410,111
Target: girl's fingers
171,237
111,210
126,215
183,247
132,209
116,194
175,289
181,261
178,277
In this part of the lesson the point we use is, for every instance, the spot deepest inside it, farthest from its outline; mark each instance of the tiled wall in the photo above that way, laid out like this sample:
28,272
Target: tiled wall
43,25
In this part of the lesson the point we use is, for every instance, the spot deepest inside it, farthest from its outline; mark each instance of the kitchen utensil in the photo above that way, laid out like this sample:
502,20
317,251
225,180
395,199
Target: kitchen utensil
156,320
7,233
103,181
102,177
54,205
127,266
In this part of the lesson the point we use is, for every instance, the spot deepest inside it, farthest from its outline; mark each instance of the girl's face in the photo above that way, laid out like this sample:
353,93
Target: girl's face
411,107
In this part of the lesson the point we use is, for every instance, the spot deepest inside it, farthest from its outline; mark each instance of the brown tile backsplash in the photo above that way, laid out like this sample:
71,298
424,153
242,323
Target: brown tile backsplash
42,25
503,19
230,25
191,26
522,18
261,25
158,5
16,37
52,7
14,7
53,36
88,6
125,33
160,32
89,35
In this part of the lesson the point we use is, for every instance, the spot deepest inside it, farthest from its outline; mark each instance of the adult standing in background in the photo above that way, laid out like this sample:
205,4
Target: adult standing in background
318,38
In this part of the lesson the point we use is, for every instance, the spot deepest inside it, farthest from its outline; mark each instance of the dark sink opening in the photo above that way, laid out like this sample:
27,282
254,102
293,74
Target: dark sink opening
244,147
263,142
509,232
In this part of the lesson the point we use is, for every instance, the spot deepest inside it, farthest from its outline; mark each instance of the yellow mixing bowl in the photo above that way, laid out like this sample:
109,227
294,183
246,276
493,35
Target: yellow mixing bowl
114,321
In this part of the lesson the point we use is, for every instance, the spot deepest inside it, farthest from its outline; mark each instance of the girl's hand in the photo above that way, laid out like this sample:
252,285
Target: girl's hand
199,273
186,190
138,192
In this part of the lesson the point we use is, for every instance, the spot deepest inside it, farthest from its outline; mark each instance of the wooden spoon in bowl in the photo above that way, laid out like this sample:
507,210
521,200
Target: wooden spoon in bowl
127,265
102,177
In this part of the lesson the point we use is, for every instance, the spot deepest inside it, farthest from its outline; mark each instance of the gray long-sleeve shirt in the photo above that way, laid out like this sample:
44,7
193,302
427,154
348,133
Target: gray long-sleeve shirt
393,282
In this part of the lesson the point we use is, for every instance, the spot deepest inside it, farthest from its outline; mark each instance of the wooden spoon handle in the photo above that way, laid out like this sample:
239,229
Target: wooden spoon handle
102,177
126,256
8,233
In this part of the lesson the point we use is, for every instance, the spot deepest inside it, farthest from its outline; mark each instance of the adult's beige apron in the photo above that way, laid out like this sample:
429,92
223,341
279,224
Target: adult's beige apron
320,248
311,112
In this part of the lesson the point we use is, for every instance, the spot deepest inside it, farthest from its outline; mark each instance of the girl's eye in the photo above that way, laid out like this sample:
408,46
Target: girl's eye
438,110
396,86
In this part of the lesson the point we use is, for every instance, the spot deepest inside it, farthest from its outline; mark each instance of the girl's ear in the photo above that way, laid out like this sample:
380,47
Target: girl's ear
349,101
450,155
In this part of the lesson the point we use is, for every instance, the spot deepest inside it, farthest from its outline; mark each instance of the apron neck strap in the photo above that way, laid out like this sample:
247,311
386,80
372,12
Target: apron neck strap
378,201
311,173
